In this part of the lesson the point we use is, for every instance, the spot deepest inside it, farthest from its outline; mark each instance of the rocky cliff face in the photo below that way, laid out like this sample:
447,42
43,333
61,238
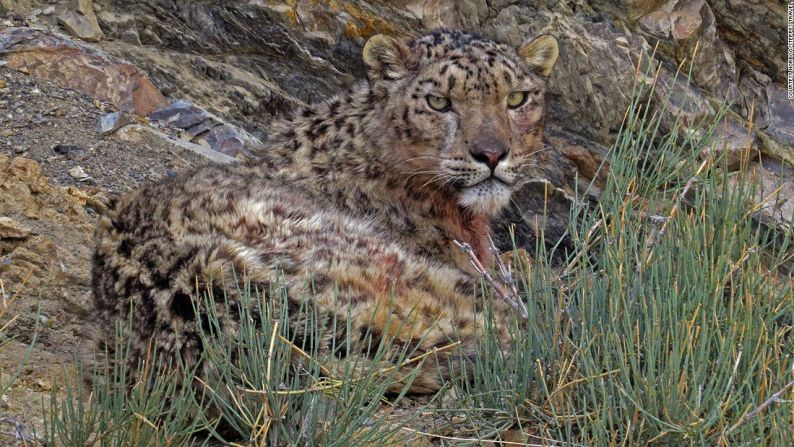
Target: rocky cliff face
234,67
230,68
252,62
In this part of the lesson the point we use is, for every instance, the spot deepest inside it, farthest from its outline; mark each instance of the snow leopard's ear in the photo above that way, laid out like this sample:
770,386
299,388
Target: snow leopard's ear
540,54
386,59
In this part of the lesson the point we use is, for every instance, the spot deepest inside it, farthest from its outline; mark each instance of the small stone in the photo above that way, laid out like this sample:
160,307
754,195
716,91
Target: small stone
98,201
78,173
66,149
113,122
43,385
11,229
3,83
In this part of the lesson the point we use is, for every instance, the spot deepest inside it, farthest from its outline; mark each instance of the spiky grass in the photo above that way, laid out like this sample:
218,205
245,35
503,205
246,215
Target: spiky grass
6,321
671,323
274,383
154,406
255,384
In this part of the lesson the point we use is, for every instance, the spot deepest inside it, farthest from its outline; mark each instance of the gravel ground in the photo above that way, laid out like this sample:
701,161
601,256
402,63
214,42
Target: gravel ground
57,128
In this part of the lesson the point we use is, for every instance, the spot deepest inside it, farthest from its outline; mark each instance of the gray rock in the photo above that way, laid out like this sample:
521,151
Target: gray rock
682,101
752,87
17,6
81,22
756,30
774,193
113,121
226,139
119,26
181,114
540,215
778,138
733,141
209,154
592,84
781,115
205,127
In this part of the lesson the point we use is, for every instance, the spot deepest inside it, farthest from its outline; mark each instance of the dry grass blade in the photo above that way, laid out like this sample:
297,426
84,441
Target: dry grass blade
475,441
416,359
509,297
676,206
720,441
20,431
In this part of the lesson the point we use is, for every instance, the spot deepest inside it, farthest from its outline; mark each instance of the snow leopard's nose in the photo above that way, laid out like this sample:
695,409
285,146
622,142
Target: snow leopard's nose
490,154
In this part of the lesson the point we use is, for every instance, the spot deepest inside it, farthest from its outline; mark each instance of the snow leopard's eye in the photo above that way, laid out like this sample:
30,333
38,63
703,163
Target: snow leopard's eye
439,103
517,99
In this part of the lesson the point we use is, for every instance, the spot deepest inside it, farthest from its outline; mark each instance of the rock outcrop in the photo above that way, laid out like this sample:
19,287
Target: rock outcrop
80,67
246,64
81,21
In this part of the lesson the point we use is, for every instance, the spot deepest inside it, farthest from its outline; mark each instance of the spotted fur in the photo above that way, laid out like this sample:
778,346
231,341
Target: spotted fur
356,200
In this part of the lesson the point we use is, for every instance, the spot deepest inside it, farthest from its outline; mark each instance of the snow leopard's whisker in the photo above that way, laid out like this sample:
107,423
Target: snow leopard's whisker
434,178
449,179
407,160
415,173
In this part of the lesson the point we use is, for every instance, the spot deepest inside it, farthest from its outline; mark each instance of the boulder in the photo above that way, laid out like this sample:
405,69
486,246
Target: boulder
81,22
538,219
680,102
687,32
736,143
774,193
81,67
203,126
17,6
778,136
11,229
756,31
119,26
